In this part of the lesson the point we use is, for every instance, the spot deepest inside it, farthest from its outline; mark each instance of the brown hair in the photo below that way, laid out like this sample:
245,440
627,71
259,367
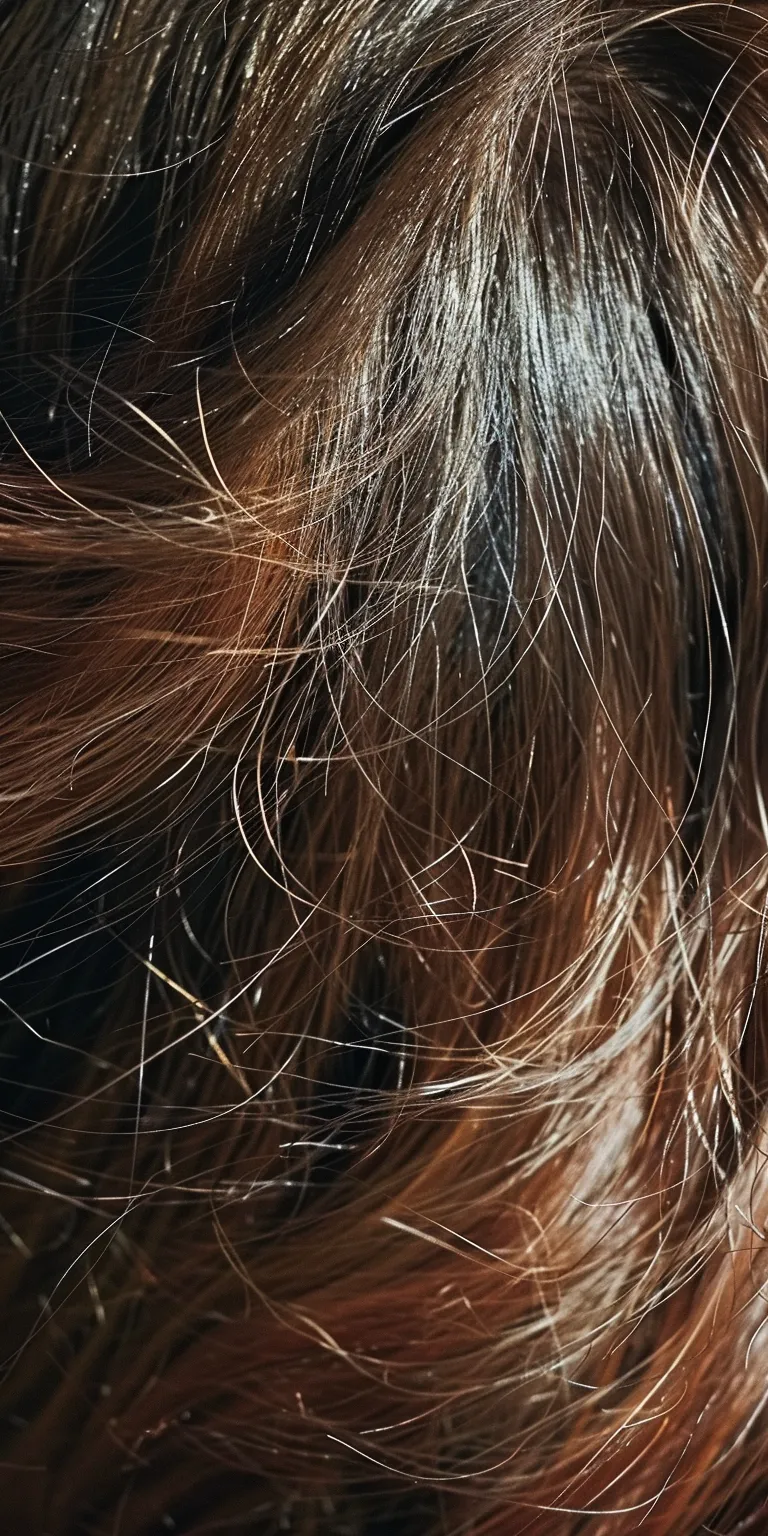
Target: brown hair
383,521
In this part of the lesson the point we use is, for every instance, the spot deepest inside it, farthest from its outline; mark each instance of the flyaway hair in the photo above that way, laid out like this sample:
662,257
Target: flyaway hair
383,767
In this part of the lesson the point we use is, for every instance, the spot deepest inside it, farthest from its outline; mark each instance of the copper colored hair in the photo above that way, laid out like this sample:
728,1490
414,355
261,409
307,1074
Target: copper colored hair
383,537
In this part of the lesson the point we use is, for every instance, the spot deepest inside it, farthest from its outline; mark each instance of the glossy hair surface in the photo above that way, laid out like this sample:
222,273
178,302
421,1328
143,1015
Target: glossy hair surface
383,535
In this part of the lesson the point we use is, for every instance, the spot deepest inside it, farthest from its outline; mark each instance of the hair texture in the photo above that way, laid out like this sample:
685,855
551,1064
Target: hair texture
383,560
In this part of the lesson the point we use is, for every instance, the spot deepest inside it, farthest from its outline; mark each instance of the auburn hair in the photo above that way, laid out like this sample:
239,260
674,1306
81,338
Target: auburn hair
383,537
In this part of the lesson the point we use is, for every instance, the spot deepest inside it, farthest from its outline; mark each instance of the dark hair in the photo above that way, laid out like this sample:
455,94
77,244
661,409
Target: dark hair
383,508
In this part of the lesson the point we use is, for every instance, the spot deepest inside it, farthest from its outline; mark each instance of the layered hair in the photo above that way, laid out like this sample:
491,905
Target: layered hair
383,535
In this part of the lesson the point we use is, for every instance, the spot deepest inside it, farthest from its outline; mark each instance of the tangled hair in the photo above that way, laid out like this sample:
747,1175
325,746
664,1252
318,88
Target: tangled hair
383,554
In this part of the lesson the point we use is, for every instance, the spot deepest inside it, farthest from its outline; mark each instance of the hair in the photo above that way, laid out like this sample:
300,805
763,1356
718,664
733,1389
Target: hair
383,557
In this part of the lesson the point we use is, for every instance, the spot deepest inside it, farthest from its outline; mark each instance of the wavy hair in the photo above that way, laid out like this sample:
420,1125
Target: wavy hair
383,536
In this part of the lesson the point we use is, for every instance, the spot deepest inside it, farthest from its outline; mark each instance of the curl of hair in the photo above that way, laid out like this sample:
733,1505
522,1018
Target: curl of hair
383,537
